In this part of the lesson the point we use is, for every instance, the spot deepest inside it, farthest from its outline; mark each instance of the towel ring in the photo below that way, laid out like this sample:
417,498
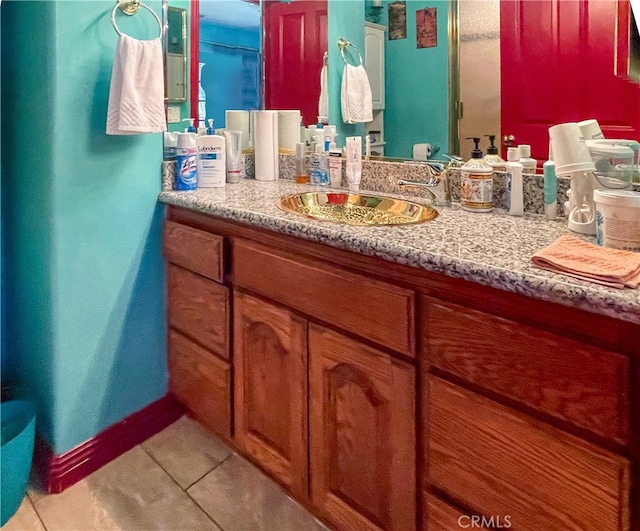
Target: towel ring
342,44
131,7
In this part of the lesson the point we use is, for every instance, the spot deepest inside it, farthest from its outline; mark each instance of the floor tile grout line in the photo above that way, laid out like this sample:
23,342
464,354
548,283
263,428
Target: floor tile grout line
33,506
208,472
183,490
205,512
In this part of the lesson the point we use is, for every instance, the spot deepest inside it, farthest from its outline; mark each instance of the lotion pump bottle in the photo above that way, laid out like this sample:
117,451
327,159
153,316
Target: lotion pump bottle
515,206
492,158
476,182
191,128
210,128
528,164
212,169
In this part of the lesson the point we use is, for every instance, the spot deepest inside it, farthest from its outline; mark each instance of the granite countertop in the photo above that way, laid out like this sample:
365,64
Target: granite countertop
493,249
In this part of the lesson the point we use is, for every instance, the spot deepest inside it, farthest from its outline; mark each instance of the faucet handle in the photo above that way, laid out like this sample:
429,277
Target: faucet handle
454,160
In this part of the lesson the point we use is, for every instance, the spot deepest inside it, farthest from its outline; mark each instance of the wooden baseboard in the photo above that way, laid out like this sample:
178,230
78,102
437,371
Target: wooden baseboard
58,472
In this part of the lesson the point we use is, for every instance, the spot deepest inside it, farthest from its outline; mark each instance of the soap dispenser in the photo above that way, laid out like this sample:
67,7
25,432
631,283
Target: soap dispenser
210,128
476,182
492,158
191,128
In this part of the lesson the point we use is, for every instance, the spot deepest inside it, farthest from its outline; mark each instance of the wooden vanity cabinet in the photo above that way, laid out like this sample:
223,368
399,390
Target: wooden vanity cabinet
361,446
388,398
198,317
362,437
503,463
270,388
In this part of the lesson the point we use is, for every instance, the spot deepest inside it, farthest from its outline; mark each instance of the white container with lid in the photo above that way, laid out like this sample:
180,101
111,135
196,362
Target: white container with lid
618,219
528,164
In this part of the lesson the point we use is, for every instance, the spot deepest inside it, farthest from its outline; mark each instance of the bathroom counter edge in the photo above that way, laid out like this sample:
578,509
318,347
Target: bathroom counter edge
491,249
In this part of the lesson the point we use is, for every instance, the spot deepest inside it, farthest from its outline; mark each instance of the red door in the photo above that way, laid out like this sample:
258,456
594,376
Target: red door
295,39
558,65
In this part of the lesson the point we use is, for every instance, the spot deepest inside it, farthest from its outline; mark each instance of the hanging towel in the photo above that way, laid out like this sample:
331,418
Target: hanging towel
570,256
323,102
136,94
357,105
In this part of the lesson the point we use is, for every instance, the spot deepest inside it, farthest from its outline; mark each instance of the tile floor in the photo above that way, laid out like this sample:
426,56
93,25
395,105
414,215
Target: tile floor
184,478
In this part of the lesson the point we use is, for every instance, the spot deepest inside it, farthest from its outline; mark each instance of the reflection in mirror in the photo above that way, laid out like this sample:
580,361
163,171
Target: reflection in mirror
176,55
418,81
229,58
634,44
294,45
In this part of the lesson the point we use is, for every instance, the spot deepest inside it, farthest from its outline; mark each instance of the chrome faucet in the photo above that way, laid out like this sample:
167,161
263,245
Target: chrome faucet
433,182
454,161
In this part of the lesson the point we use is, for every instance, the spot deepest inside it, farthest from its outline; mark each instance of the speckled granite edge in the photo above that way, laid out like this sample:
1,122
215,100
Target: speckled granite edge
401,245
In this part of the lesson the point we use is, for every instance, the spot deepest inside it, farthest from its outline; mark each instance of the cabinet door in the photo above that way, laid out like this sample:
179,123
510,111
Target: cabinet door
270,364
374,63
362,435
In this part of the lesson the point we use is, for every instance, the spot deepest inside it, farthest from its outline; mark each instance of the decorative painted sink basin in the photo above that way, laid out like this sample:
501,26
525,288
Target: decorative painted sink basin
356,209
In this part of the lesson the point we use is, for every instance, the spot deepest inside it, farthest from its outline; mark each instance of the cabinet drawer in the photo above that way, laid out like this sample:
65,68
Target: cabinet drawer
194,249
372,309
201,381
499,462
199,308
579,383
438,515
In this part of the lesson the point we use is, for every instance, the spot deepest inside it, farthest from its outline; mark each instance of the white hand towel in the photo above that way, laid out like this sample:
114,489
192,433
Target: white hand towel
357,105
323,102
136,94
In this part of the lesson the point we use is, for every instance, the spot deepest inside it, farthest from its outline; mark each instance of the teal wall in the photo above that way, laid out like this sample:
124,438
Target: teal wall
416,89
345,19
85,276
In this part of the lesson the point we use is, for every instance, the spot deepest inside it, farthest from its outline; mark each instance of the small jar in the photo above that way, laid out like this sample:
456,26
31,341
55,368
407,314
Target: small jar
476,186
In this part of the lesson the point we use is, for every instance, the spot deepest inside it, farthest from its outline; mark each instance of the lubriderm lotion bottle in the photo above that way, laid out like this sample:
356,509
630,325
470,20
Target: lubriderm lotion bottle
212,169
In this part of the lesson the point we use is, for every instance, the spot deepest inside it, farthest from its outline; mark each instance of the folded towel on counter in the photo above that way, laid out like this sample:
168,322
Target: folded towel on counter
570,256
136,93
323,101
357,103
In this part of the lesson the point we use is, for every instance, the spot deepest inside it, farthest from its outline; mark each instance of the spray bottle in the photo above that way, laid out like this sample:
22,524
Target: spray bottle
186,177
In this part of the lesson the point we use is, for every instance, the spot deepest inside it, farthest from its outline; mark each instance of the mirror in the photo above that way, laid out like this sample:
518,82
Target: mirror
431,95
176,55
230,60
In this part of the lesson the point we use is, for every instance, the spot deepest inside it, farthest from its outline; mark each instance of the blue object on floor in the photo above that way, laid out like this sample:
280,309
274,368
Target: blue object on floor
18,427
